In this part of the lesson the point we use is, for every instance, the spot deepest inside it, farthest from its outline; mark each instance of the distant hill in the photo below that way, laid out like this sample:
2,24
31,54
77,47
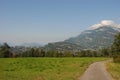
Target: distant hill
63,46
98,36
32,45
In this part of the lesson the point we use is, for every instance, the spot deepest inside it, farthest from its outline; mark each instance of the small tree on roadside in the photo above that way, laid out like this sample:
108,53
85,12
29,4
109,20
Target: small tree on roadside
116,48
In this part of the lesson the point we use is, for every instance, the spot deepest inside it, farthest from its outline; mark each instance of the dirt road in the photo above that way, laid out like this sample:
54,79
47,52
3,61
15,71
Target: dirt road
96,71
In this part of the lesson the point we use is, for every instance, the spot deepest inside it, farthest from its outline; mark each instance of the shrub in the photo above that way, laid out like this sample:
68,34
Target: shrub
116,58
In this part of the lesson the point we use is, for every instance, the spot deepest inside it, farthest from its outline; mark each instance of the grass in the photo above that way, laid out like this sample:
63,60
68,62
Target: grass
114,69
44,68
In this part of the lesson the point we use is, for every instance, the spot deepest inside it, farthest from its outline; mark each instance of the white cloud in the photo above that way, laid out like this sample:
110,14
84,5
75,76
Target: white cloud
107,22
95,26
103,23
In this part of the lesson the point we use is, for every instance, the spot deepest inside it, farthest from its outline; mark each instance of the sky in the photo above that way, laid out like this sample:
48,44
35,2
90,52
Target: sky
44,21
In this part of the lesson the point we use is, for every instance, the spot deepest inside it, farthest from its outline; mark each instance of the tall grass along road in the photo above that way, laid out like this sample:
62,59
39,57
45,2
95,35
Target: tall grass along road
96,71
114,69
44,68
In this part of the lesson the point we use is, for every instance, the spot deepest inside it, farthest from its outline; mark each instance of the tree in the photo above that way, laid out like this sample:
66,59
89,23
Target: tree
67,54
116,48
105,52
5,51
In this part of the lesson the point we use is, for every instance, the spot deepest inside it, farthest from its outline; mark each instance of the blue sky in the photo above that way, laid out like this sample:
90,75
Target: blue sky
44,21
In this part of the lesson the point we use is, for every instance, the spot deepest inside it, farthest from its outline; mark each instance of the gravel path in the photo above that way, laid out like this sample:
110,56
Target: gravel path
96,71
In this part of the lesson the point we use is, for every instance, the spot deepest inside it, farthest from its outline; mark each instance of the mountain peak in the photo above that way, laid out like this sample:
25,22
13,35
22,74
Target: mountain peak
98,36
105,23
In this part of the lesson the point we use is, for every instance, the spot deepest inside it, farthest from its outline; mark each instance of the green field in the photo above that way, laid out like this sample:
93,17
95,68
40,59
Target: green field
114,69
44,68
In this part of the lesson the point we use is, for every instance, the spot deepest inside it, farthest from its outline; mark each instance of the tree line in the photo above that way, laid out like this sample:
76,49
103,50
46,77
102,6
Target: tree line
113,51
5,52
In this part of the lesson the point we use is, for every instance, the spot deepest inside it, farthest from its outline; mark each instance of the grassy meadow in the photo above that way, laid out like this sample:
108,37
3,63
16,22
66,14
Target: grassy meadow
44,68
114,69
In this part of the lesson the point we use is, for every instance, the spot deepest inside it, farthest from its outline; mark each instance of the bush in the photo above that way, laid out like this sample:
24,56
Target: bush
116,59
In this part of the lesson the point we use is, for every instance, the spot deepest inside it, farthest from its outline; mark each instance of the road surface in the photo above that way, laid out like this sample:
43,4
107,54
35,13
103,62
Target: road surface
96,71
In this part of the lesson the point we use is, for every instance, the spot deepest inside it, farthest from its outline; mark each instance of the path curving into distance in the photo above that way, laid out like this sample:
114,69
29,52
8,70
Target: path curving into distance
96,71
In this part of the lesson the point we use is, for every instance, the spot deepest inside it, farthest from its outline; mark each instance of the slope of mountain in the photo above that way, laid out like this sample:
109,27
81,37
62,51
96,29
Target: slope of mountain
98,36
63,46
32,45
93,39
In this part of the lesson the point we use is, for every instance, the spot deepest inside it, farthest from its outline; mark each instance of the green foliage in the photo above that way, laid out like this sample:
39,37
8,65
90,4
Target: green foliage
44,68
38,52
33,52
5,51
92,53
116,48
116,58
116,45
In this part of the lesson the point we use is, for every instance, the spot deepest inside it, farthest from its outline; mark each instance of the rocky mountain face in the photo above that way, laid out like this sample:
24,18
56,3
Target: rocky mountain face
98,36
95,39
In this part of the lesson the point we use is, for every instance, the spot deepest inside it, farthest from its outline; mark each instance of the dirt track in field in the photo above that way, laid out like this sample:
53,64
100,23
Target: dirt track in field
96,71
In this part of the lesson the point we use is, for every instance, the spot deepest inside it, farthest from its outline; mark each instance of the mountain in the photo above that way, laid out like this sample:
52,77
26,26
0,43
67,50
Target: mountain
63,46
98,36
32,45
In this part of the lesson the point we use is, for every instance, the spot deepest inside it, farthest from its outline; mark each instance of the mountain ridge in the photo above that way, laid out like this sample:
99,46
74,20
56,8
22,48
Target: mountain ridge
98,36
